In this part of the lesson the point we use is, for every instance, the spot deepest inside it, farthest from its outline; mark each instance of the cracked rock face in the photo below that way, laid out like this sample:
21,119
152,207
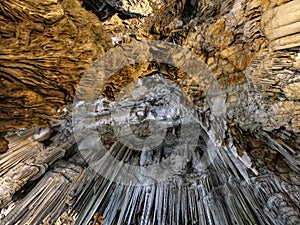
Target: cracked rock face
245,112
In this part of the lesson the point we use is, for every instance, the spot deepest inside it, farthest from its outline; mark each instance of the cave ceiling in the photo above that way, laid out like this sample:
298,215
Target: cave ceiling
195,104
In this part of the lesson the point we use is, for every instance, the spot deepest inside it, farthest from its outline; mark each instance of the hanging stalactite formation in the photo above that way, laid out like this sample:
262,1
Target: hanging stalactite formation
101,123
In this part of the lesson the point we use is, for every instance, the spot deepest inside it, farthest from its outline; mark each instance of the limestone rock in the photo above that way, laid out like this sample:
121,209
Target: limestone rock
132,7
44,47
292,91
281,25
246,101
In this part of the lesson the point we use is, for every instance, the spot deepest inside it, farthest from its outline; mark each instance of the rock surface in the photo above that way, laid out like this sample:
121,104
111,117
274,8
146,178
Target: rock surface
45,47
248,105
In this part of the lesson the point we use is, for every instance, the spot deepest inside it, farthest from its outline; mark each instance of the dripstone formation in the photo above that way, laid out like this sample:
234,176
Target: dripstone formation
229,127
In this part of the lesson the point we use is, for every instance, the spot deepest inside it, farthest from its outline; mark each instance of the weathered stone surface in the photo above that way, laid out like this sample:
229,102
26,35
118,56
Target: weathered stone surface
252,112
281,25
45,46
275,78
292,91
48,11
132,7
291,41
3,144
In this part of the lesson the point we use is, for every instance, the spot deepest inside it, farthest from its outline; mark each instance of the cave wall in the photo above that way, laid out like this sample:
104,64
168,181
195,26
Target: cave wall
47,45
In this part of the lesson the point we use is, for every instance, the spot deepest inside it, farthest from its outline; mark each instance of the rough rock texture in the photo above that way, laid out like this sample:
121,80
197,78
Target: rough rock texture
252,112
282,25
45,46
134,7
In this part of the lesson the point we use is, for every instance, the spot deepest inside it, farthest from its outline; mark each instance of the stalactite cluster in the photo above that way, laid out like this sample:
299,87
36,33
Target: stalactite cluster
77,73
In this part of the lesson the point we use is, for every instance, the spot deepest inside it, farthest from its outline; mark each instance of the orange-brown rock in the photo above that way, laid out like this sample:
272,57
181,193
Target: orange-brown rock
45,47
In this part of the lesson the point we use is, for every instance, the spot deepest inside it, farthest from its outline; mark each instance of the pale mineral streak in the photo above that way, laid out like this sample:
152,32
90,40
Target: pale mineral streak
132,7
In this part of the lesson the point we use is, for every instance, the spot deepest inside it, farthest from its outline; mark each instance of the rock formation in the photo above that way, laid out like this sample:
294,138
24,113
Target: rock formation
245,111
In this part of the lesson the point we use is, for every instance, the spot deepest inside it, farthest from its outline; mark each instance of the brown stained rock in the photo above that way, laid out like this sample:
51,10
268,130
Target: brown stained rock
274,76
167,18
3,144
297,62
292,91
230,41
50,45
48,11
44,49
286,115
238,55
47,46
295,123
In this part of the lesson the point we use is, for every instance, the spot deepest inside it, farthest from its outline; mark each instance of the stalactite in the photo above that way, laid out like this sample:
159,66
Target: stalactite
197,114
